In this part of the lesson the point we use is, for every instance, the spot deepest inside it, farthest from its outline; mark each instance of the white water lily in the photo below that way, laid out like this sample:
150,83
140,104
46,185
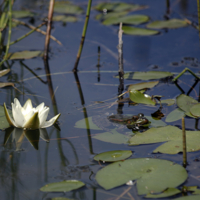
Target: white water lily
27,117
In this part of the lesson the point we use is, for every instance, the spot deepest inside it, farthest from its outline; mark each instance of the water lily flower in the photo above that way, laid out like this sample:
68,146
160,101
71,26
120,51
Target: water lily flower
27,117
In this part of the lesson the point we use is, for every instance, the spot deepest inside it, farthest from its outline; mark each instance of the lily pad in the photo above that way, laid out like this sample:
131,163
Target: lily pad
143,85
63,18
118,6
113,156
185,103
4,72
24,55
138,97
66,8
195,110
3,121
171,135
138,31
169,102
61,198
167,193
102,16
130,19
22,14
175,115
146,75
63,186
192,197
113,137
150,174
172,23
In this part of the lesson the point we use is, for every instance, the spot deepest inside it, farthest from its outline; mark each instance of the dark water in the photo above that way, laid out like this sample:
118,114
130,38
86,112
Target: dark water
69,153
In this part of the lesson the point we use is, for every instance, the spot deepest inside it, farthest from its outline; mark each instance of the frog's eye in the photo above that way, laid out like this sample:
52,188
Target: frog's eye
140,115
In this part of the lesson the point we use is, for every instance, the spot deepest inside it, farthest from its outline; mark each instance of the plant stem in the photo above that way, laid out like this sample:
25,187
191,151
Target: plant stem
83,36
50,16
180,74
9,32
27,34
184,143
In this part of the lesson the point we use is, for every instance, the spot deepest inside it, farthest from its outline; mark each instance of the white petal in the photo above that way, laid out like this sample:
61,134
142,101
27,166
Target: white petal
43,116
17,115
51,121
8,117
17,103
40,107
28,106
28,116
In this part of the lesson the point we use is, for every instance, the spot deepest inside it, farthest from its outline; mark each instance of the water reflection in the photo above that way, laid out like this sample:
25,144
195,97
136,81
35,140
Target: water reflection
18,136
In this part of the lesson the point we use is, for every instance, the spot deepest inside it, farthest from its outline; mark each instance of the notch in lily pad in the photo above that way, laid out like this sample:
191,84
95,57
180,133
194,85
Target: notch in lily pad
113,156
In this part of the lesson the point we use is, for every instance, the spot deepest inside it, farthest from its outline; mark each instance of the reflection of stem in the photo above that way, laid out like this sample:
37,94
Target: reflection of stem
30,70
98,64
50,16
85,112
184,143
193,86
177,85
186,69
168,7
83,35
198,7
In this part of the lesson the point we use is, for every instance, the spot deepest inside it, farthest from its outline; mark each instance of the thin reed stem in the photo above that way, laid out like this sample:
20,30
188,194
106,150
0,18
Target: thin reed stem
83,35
184,143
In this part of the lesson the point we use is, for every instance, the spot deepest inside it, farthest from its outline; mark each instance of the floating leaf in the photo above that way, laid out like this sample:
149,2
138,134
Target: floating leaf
66,8
61,198
24,55
138,31
138,97
64,18
63,186
172,23
113,137
175,115
113,156
6,84
22,14
185,102
4,72
169,134
3,121
167,193
118,7
146,75
143,85
150,174
195,110
130,19
169,102
192,197
82,124
155,123
110,14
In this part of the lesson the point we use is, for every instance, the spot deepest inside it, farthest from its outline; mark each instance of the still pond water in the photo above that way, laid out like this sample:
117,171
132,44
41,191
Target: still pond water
70,152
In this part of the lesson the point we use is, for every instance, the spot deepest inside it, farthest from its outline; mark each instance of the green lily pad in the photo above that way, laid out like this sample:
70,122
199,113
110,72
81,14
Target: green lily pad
143,85
175,115
150,174
118,6
63,186
185,102
24,55
172,23
63,18
169,134
113,156
169,102
22,14
146,75
156,123
82,124
138,31
113,137
3,121
61,198
130,19
102,16
167,193
138,97
192,197
66,8
195,110
4,72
